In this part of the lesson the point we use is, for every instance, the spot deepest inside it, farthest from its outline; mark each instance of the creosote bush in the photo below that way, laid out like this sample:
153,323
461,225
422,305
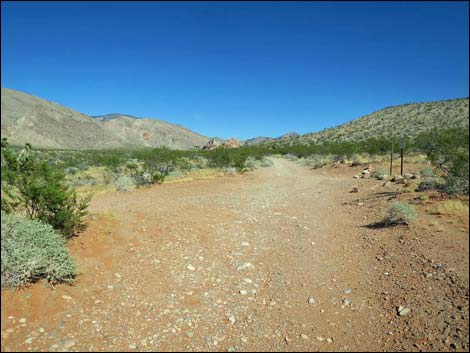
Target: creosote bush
40,191
32,250
400,213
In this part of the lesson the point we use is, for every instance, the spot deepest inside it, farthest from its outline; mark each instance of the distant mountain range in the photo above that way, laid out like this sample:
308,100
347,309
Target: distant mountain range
44,124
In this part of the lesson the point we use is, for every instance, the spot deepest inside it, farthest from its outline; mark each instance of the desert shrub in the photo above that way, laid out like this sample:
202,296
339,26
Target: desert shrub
230,170
380,174
427,184
266,163
40,191
32,250
400,213
124,183
251,163
427,173
316,161
83,180
448,151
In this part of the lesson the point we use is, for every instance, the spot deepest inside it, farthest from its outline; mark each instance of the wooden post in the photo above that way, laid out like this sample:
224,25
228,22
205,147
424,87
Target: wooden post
391,161
402,147
401,161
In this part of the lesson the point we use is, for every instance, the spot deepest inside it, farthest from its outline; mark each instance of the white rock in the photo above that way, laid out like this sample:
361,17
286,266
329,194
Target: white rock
311,300
404,312
191,268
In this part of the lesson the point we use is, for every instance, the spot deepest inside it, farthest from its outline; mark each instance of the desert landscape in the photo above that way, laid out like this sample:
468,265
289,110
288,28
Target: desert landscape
240,202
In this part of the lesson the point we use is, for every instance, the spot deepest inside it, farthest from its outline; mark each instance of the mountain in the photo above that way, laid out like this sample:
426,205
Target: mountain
407,119
45,124
257,140
150,132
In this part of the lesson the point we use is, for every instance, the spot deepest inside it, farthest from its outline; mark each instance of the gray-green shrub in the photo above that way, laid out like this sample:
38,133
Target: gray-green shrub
32,250
124,183
427,173
400,213
380,174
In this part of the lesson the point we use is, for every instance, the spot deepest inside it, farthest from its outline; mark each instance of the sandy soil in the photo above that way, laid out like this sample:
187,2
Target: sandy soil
283,258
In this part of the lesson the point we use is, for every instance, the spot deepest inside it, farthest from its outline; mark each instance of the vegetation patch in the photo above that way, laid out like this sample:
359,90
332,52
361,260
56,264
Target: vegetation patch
32,250
453,207
400,213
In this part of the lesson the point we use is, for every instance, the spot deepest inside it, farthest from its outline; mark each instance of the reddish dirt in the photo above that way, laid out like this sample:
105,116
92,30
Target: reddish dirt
160,270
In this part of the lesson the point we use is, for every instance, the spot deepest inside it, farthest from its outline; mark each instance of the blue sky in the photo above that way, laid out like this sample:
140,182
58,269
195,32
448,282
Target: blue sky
237,68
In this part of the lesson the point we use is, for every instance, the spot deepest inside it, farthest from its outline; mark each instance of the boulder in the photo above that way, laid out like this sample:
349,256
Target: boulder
231,143
211,144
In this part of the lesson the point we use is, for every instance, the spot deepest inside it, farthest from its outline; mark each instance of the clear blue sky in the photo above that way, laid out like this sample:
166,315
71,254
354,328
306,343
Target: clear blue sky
237,69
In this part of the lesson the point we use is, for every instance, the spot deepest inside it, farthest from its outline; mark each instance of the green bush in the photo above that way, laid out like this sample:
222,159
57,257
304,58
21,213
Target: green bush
40,191
32,250
427,173
400,213
448,151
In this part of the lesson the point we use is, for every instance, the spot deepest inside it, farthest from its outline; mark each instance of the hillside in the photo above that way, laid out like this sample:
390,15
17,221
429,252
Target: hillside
45,124
150,132
410,119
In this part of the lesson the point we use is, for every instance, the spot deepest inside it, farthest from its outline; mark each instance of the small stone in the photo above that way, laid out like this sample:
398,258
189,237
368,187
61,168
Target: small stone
231,349
355,189
305,337
41,330
247,280
22,320
245,243
232,319
208,339
29,340
243,292
190,334
69,342
320,338
191,268
117,275
132,346
244,266
404,312
329,340
311,300
347,291
346,302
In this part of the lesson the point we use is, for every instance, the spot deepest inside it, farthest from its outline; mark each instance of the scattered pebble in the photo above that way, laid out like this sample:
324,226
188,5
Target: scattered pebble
191,268
311,300
305,337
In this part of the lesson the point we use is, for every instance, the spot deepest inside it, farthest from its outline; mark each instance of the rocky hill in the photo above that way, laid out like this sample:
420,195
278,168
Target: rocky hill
45,124
410,119
150,132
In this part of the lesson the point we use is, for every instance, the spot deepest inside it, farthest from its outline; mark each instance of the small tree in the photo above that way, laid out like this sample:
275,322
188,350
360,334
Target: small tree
39,191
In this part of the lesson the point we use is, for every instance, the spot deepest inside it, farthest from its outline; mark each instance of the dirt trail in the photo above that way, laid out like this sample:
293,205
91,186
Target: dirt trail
224,264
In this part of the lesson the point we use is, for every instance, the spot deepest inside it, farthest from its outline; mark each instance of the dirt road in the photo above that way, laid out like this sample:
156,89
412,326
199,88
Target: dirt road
277,259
